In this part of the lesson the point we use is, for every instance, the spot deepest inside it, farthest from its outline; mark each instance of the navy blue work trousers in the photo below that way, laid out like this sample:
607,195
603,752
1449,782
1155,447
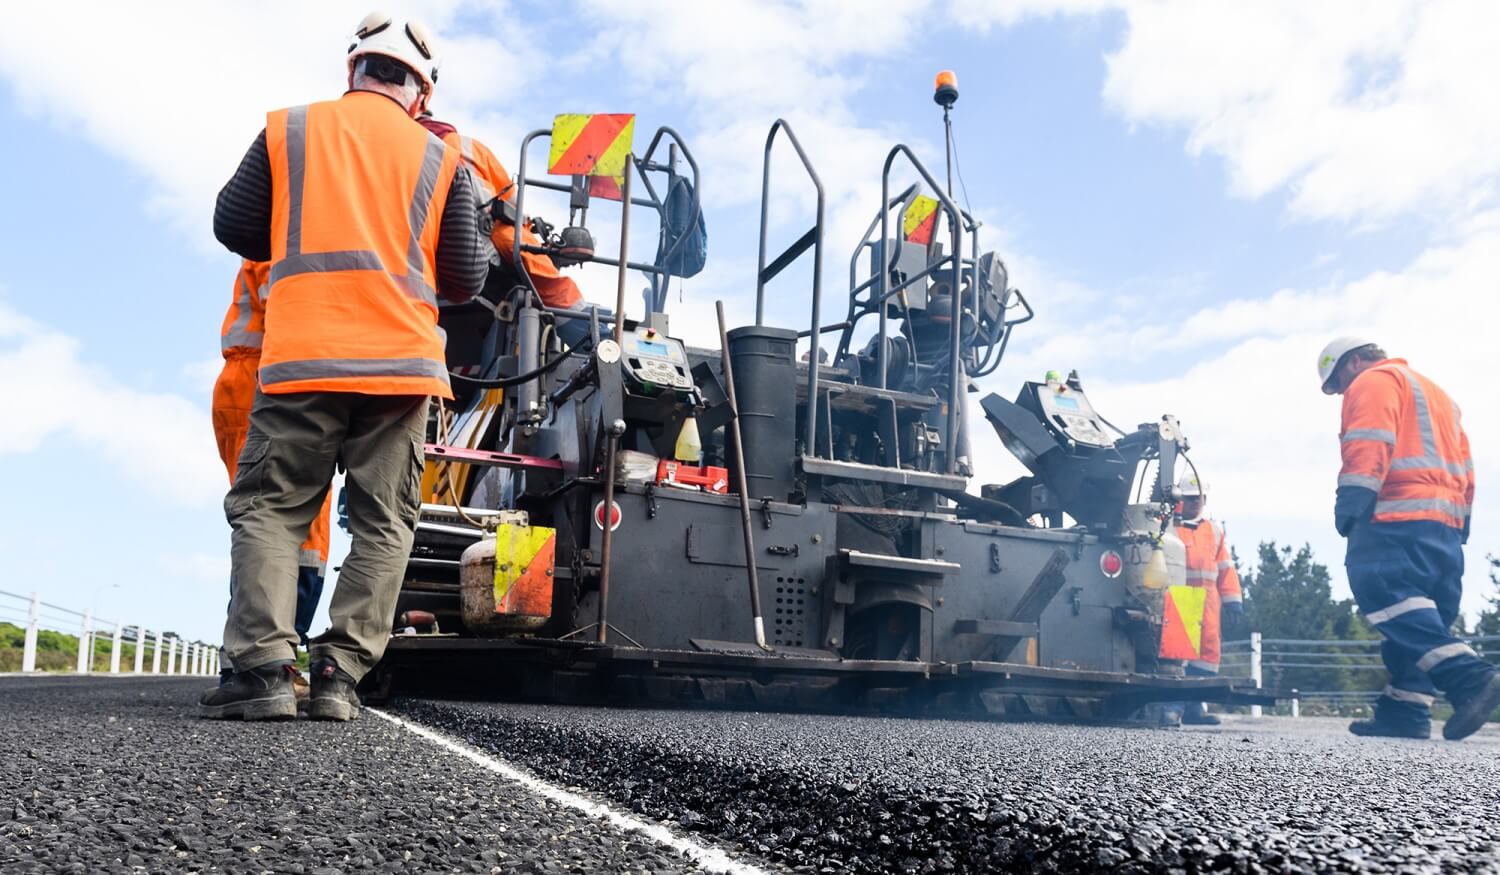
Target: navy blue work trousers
1407,578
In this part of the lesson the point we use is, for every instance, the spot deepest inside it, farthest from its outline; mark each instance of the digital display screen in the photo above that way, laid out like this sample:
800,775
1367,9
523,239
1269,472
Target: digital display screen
1063,402
651,348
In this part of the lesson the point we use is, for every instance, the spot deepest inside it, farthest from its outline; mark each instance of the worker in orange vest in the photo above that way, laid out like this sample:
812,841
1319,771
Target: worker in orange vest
491,181
1209,566
1403,501
366,220
240,342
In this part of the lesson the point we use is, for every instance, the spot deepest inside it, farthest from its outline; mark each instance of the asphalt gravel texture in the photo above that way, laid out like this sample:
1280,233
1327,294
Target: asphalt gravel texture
865,794
118,775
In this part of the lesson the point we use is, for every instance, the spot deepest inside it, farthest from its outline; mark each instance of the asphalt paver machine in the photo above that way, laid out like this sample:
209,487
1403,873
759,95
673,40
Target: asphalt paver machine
767,524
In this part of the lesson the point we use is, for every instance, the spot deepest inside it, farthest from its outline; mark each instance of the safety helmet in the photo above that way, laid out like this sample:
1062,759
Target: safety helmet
1328,359
408,43
1189,486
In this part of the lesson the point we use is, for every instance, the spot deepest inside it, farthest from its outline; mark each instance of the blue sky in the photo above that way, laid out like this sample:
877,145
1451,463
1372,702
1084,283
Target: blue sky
1193,196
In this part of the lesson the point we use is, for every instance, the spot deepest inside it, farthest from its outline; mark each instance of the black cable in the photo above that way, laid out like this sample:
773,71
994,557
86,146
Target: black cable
508,382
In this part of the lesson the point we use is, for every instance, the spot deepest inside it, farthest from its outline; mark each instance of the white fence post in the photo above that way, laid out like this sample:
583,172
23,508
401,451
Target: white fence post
33,623
85,643
172,656
197,658
140,648
114,650
156,654
1296,707
1255,650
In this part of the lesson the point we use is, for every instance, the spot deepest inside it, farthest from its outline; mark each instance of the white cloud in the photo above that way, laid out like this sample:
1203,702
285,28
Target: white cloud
184,112
1362,111
161,442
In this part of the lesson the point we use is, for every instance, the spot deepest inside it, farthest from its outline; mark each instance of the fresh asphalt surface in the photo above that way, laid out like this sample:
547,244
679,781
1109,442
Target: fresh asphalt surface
117,775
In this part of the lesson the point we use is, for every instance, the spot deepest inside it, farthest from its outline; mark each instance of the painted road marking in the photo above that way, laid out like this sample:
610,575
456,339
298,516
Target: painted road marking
710,859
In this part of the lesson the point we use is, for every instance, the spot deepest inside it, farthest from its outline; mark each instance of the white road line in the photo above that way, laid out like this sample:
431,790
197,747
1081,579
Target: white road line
710,859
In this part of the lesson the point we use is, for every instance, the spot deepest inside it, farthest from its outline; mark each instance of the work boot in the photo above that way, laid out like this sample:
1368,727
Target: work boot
1468,717
263,693
1383,729
333,696
300,689
1197,715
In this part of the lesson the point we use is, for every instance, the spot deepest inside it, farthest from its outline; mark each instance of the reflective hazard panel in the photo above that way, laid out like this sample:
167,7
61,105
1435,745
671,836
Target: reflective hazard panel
609,188
591,144
524,560
921,219
1182,622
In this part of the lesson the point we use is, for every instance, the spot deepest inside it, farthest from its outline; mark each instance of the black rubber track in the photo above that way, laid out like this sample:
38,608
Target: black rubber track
835,794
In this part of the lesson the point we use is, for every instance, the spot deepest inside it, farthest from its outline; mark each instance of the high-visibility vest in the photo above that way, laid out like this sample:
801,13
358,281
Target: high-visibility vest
245,322
1209,563
491,179
358,190
1402,437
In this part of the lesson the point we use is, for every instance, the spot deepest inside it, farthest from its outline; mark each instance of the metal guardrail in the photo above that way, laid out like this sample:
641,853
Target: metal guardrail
1258,654
34,615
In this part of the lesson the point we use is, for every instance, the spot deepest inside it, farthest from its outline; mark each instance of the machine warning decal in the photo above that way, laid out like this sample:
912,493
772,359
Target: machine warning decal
595,144
1182,622
921,219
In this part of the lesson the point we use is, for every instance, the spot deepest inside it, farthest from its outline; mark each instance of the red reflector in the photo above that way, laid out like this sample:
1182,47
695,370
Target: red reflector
614,516
1111,564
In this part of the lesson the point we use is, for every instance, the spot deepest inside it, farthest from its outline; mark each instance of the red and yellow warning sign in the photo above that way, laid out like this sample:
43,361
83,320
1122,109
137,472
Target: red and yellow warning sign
921,219
608,187
1182,622
524,560
596,144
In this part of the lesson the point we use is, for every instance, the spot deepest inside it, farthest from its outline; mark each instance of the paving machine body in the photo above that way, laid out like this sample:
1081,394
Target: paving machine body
592,558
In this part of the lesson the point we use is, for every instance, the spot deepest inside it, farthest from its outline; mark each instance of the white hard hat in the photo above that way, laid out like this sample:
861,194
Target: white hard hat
1188,486
408,42
1328,359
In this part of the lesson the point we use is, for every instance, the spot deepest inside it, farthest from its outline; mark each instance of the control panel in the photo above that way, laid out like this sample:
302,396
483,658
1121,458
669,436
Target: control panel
1067,410
652,362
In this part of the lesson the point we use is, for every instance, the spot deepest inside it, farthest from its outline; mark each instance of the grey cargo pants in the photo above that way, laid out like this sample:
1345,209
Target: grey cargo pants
289,456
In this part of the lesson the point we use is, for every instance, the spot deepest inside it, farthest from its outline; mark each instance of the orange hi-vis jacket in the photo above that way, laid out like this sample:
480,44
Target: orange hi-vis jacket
492,179
1402,438
1209,566
358,190
234,391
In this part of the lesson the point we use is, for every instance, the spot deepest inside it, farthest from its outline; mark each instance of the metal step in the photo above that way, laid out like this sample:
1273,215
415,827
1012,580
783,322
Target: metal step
900,563
881,474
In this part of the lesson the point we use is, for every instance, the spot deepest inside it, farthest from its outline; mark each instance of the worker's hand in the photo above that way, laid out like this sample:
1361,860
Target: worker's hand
1231,616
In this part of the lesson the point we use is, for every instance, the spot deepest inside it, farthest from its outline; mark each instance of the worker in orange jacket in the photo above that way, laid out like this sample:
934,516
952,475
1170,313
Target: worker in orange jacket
1404,495
1210,567
366,220
240,342
492,180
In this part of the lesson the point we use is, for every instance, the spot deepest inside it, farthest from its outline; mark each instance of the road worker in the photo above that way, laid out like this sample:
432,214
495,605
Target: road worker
492,180
240,341
1208,566
1403,501
366,219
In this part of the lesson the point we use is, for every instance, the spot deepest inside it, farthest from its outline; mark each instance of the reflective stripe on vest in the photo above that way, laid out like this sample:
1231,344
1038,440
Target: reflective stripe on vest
482,189
316,369
239,333
1429,457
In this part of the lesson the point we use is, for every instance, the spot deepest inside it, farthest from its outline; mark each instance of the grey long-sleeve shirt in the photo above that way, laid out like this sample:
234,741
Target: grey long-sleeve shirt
242,222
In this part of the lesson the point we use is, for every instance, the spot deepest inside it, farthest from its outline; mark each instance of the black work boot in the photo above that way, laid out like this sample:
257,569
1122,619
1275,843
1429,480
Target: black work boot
333,696
263,693
1468,717
1378,728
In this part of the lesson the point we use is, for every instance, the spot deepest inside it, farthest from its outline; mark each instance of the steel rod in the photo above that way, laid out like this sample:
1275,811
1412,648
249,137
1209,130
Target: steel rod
747,523
624,276
611,448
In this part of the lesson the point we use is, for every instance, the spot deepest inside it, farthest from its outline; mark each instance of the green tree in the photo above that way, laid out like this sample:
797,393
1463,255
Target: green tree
1489,618
1289,595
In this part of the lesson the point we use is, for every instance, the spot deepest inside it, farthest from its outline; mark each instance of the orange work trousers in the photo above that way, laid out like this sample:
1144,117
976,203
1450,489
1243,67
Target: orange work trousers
234,392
